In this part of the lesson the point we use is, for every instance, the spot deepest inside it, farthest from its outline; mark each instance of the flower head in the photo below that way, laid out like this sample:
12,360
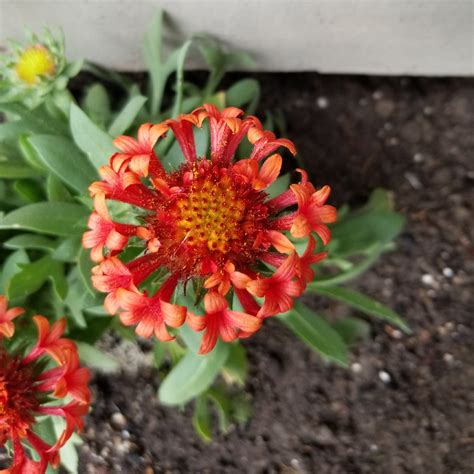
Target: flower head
31,386
35,62
31,72
210,221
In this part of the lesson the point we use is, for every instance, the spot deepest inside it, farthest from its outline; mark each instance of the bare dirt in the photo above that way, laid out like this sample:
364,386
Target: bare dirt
407,403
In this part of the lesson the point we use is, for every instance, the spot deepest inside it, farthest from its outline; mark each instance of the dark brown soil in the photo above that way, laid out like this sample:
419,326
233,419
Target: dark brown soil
407,403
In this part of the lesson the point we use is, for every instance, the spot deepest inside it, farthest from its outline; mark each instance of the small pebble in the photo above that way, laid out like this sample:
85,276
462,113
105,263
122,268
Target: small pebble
418,157
118,420
428,279
356,368
413,180
295,463
384,108
322,102
374,448
448,272
428,110
448,358
377,95
393,141
385,377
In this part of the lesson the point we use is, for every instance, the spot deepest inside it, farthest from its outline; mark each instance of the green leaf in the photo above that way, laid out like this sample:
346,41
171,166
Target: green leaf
160,71
152,57
45,429
85,265
191,338
62,158
30,241
96,327
33,276
11,266
9,133
359,233
192,375
380,200
223,407
55,189
77,299
280,185
124,120
68,249
29,190
219,62
96,104
53,218
159,351
176,63
69,455
352,329
364,303
91,139
316,333
245,91
347,275
30,155
202,422
58,279
97,359
15,170
35,121
236,367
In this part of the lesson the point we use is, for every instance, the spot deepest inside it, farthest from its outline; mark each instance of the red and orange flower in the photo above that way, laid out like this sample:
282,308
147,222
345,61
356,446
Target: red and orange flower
47,381
211,222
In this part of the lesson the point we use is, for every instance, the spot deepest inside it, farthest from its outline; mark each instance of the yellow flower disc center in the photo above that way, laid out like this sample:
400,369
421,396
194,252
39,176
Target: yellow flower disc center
210,215
35,61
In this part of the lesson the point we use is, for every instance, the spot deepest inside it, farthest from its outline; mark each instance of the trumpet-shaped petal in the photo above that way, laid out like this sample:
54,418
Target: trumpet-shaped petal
105,232
279,289
7,328
312,214
219,320
151,315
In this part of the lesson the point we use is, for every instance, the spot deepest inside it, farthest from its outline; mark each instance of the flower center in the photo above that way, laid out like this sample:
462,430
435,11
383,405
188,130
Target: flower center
35,61
210,215
18,399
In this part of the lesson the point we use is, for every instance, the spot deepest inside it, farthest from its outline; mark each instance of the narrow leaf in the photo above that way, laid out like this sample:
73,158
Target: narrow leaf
96,104
53,218
91,139
30,241
127,115
364,303
15,170
192,375
316,332
96,358
202,422
64,160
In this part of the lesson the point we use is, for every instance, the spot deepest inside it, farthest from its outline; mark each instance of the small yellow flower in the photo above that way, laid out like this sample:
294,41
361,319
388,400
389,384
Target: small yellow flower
34,62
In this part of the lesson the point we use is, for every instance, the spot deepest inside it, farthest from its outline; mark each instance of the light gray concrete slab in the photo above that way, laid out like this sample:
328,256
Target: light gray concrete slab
417,37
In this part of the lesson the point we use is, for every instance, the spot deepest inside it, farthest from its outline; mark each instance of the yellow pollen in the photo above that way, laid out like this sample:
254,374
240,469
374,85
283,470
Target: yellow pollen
210,215
35,61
